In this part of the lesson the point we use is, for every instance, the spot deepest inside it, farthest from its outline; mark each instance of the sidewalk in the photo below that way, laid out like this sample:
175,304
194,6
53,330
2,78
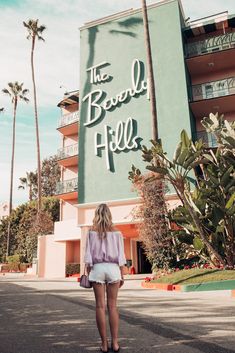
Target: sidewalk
57,316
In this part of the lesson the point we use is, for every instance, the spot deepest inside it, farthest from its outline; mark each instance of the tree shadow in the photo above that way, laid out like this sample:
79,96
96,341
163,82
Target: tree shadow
129,23
49,321
195,276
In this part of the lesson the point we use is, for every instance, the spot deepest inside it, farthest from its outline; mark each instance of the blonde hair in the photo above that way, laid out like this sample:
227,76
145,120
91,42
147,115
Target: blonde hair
102,221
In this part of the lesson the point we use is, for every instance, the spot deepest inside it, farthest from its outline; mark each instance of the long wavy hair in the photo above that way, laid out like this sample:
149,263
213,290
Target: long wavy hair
102,221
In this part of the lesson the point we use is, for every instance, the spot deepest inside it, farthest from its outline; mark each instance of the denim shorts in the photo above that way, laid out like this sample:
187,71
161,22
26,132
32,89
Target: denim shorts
105,272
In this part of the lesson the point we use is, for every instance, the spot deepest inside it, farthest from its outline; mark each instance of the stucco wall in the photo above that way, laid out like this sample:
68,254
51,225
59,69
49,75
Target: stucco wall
51,257
118,43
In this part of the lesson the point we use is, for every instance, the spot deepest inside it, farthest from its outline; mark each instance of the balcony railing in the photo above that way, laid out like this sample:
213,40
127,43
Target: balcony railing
211,45
68,119
68,151
63,187
214,89
207,138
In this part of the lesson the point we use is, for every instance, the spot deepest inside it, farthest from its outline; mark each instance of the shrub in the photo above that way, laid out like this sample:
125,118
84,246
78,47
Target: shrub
13,259
23,267
72,268
13,263
153,225
4,268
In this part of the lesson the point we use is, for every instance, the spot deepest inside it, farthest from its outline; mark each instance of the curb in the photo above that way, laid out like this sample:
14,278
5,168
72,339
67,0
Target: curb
209,286
160,286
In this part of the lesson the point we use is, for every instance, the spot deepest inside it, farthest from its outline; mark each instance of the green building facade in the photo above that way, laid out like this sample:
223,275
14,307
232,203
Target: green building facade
115,118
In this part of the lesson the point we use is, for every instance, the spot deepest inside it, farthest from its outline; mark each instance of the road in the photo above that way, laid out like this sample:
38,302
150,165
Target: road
39,316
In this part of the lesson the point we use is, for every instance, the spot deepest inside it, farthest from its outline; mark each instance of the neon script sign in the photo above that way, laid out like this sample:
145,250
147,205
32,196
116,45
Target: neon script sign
124,137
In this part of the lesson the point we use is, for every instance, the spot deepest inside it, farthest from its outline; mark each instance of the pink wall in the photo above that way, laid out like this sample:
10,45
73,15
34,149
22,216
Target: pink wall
68,210
72,251
134,254
70,140
70,173
127,248
213,76
51,257
121,210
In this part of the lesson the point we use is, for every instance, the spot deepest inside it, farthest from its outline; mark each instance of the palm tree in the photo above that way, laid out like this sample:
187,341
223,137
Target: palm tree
34,32
16,92
30,181
150,72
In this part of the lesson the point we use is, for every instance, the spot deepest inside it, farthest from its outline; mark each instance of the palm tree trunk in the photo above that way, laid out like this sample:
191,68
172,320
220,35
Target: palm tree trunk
37,129
150,73
12,176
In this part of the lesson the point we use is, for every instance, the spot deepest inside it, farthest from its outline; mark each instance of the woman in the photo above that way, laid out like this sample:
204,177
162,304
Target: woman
104,260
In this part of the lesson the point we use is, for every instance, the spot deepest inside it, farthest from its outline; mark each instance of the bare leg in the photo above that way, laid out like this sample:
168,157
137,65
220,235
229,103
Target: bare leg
99,290
112,292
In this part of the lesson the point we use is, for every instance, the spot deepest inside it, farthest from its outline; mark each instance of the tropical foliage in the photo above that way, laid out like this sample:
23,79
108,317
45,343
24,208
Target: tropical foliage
50,176
16,92
35,32
206,218
26,226
154,231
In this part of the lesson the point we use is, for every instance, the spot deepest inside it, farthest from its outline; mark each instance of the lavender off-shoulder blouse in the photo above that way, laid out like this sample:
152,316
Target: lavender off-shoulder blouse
108,249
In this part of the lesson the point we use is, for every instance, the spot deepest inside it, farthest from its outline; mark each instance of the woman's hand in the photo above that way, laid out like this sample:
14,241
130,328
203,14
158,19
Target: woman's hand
121,282
88,269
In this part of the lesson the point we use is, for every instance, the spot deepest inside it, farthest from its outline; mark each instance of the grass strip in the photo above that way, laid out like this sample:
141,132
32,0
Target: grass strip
196,275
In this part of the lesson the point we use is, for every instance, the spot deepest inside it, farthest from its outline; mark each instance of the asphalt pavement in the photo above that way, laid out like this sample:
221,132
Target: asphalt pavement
57,316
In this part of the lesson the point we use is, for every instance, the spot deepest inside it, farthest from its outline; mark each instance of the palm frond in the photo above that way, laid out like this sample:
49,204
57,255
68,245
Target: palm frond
16,91
41,38
34,29
5,90
25,24
21,187
41,28
25,91
23,180
23,98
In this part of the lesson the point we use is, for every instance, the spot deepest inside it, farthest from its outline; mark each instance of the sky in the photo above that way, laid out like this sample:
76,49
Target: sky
56,66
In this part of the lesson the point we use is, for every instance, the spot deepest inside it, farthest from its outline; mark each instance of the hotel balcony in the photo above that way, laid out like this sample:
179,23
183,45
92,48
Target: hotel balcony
68,156
212,97
208,138
213,54
211,45
68,123
67,189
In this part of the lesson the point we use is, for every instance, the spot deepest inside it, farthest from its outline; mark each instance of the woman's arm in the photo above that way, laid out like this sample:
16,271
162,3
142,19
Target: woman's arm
87,268
88,257
121,254
121,258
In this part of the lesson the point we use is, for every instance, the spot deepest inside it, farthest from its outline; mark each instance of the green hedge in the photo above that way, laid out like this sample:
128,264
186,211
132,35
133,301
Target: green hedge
13,259
72,268
15,267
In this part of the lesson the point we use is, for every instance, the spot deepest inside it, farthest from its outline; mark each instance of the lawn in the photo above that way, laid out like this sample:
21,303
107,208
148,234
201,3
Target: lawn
196,275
